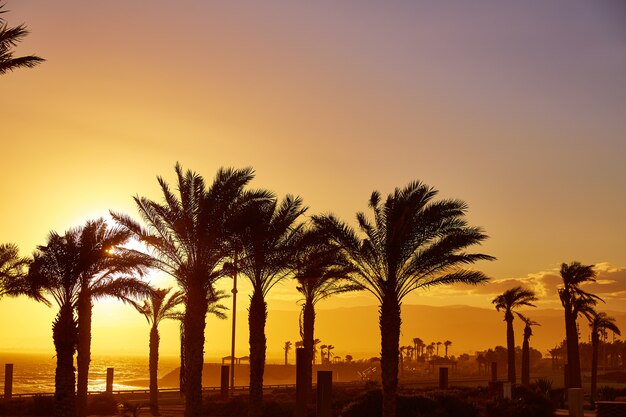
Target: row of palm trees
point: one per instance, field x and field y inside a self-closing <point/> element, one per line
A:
<point x="422" y="351"/>
<point x="576" y="302"/>
<point x="202" y="233"/>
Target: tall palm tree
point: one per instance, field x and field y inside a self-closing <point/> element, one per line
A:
<point x="447" y="344"/>
<point x="12" y="271"/>
<point x="438" y="344"/>
<point x="287" y="348"/>
<point x="161" y="305"/>
<point x="508" y="301"/>
<point x="106" y="269"/>
<point x="430" y="350"/>
<point x="321" y="271"/>
<point x="322" y="354"/>
<point x="267" y="234"/>
<point x="528" y="332"/>
<point x="188" y="239"/>
<point x="599" y="322"/>
<point x="328" y="349"/>
<point x="419" y="347"/>
<point x="575" y="301"/>
<point x="55" y="272"/>
<point x="412" y="243"/>
<point x="9" y="38"/>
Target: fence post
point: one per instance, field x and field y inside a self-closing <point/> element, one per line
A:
<point x="301" y="394"/>
<point x="224" y="381"/>
<point x="324" y="393"/>
<point x="494" y="371"/>
<point x="8" y="381"/>
<point x="109" y="386"/>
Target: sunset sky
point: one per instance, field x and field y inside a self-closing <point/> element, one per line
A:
<point x="518" y="108"/>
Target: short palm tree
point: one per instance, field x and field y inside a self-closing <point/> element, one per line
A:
<point x="287" y="348"/>
<point x="528" y="332"/>
<point x="447" y="344"/>
<point x="413" y="242"/>
<point x="575" y="301"/>
<point x="598" y="323"/>
<point x="9" y="38"/>
<point x="321" y="271"/>
<point x="188" y="238"/>
<point x="53" y="272"/>
<point x="161" y="305"/>
<point x="267" y="237"/>
<point x="508" y="301"/>
<point x="107" y="269"/>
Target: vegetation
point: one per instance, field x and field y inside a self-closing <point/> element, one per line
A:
<point x="528" y="332"/>
<point x="412" y="243"/>
<point x="508" y="301"/>
<point x="9" y="38"/>
<point x="599" y="323"/>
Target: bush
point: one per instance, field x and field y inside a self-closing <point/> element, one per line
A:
<point x="525" y="403"/>
<point x="102" y="404"/>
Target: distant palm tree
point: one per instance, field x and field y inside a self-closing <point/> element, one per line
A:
<point x="12" y="271"/>
<point x="322" y="354"/>
<point x="107" y="269"/>
<point x="189" y="239"/>
<point x="9" y="38"/>
<point x="54" y="271"/>
<point x="412" y="243"/>
<point x="528" y="332"/>
<point x="575" y="301"/>
<point x="447" y="344"/>
<point x="508" y="301"/>
<point x="419" y="347"/>
<point x="315" y="343"/>
<point x="287" y="348"/>
<point x="267" y="233"/>
<point x="160" y="306"/>
<point x="599" y="322"/>
<point x="430" y="350"/>
<point x="328" y="349"/>
<point x="438" y="344"/>
<point x="321" y="271"/>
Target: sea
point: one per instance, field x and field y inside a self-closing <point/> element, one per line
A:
<point x="33" y="373"/>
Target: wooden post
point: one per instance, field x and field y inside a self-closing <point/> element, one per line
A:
<point x="494" y="371"/>
<point x="301" y="395"/>
<point x="443" y="377"/>
<point x="8" y="381"/>
<point x="109" y="386"/>
<point x="324" y="393"/>
<point x="507" y="389"/>
<point x="224" y="381"/>
<point x="575" y="402"/>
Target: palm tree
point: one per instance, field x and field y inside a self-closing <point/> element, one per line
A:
<point x="12" y="271"/>
<point x="106" y="269"/>
<point x="54" y="271"/>
<point x="575" y="301"/>
<point x="412" y="243"/>
<point x="447" y="344"/>
<point x="160" y="306"/>
<point x="267" y="234"/>
<point x="187" y="235"/>
<point x="419" y="347"/>
<point x="328" y="349"/>
<point x="508" y="301"/>
<point x="315" y="343"/>
<point x="438" y="344"/>
<point x="430" y="350"/>
<point x="528" y="332"/>
<point x="599" y="322"/>
<point x="287" y="348"/>
<point x="321" y="271"/>
<point x="322" y="354"/>
<point x="9" y="38"/>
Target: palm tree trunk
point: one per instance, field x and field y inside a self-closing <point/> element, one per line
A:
<point x="154" y="367"/>
<point x="573" y="356"/>
<point x="257" y="315"/>
<point x="390" y="322"/>
<point x="195" y="321"/>
<point x="526" y="361"/>
<point x="84" y="354"/>
<point x="308" y="327"/>
<point x="594" y="366"/>
<point x="510" y="348"/>
<point x="64" y="334"/>
<point x="182" y="373"/>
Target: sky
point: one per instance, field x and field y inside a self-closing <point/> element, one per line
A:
<point x="516" y="108"/>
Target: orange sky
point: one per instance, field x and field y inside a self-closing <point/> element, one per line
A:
<point x="517" y="109"/>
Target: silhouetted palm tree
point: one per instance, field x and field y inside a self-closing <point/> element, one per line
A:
<point x="322" y="354"/>
<point x="287" y="348"/>
<point x="528" y="332"/>
<point x="187" y="235"/>
<point x="419" y="347"/>
<point x="599" y="322"/>
<point x="413" y="242"/>
<point x="438" y="344"/>
<point x="106" y="270"/>
<point x="328" y="349"/>
<point x="160" y="306"/>
<point x="430" y="350"/>
<point x="321" y="271"/>
<point x="447" y="344"/>
<point x="267" y="235"/>
<point x="508" y="301"/>
<point x="12" y="271"/>
<point x="9" y="38"/>
<point x="55" y="272"/>
<point x="575" y="301"/>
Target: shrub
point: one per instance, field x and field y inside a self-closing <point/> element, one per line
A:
<point x="525" y="403"/>
<point x="102" y="404"/>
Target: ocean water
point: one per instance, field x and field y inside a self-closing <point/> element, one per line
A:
<point x="34" y="373"/>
